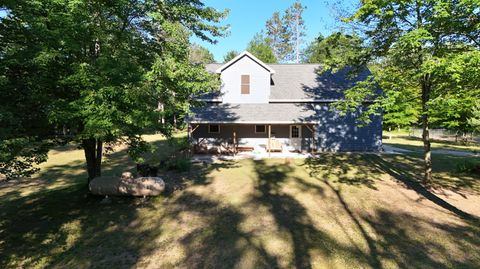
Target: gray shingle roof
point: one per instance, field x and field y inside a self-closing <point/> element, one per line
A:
<point x="293" y="85"/>
<point x="303" y="82"/>
<point x="253" y="113"/>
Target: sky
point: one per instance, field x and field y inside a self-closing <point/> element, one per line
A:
<point x="248" y="17"/>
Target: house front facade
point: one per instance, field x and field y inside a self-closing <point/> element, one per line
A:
<point x="279" y="107"/>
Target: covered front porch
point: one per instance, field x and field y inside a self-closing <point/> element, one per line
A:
<point x="252" y="138"/>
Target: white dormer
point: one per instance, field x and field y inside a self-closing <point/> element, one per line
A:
<point x="245" y="79"/>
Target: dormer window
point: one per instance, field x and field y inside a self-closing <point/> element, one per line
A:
<point x="245" y="84"/>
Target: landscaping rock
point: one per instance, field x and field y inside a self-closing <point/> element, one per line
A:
<point x="142" y="186"/>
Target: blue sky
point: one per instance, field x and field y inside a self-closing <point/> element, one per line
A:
<point x="248" y="17"/>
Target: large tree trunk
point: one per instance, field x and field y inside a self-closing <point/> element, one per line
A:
<point x="93" y="149"/>
<point x="426" y="88"/>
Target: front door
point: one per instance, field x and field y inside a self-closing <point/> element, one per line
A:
<point x="296" y="137"/>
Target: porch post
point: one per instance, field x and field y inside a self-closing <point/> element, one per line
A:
<point x="189" y="139"/>
<point x="314" y="144"/>
<point x="234" y="141"/>
<point x="269" y="139"/>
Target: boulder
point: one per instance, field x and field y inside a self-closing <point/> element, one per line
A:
<point x="127" y="186"/>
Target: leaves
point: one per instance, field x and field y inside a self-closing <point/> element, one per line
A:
<point x="259" y="46"/>
<point x="79" y="69"/>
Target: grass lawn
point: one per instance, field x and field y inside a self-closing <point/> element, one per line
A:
<point x="335" y="211"/>
<point x="411" y="143"/>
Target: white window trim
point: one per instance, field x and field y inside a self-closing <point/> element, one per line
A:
<point x="214" y="132"/>
<point x="264" y="126"/>
<point x="242" y="84"/>
<point x="299" y="131"/>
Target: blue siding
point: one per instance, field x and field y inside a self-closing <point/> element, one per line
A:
<point x="342" y="133"/>
<point x="333" y="133"/>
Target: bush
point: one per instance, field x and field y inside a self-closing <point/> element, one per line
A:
<point x="468" y="166"/>
<point x="179" y="163"/>
<point x="183" y="164"/>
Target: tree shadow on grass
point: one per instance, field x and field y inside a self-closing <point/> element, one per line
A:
<point x="66" y="225"/>
<point x="414" y="242"/>
<point x="396" y="237"/>
<point x="292" y="217"/>
<point x="218" y="242"/>
<point x="59" y="224"/>
<point x="404" y="174"/>
<point x="349" y="169"/>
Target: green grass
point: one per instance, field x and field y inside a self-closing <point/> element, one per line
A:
<point x="335" y="211"/>
<point x="416" y="144"/>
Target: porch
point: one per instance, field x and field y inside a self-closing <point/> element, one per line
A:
<point x="252" y="139"/>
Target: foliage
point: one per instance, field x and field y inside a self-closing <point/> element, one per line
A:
<point x="285" y="33"/>
<point x="400" y="105"/>
<point x="18" y="156"/>
<point x="335" y="51"/>
<point x="198" y="54"/>
<point x="230" y="55"/>
<point x="277" y="34"/>
<point x="296" y="28"/>
<point x="259" y="46"/>
<point x="176" y="81"/>
<point x="468" y="166"/>
<point x="474" y="120"/>
<point x="85" y="67"/>
<point x="179" y="163"/>
<point x="424" y="42"/>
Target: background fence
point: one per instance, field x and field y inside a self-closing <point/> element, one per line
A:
<point x="443" y="134"/>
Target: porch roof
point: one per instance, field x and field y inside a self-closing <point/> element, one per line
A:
<point x="278" y="113"/>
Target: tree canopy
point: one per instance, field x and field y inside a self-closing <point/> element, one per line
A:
<point x="230" y="55"/>
<point x="198" y="54"/>
<point x="285" y="32"/>
<point x="81" y="71"/>
<point x="428" y="44"/>
<point x="259" y="46"/>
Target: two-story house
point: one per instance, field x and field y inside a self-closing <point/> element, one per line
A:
<point x="279" y="107"/>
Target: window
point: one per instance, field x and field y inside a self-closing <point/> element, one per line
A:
<point x="260" y="129"/>
<point x="294" y="131"/>
<point x="213" y="128"/>
<point x="245" y="84"/>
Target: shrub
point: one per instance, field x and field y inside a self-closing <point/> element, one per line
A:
<point x="179" y="163"/>
<point x="183" y="164"/>
<point x="468" y="166"/>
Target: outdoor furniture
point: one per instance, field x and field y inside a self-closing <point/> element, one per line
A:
<point x="244" y="149"/>
<point x="274" y="146"/>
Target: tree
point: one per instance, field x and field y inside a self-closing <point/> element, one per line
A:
<point x="401" y="106"/>
<point x="199" y="54"/>
<point x="474" y="120"/>
<point x="336" y="50"/>
<point x="285" y="33"/>
<point x="278" y="36"/>
<point x="295" y="27"/>
<point x="78" y="71"/>
<point x="421" y="41"/>
<point x="259" y="46"/>
<point x="230" y="55"/>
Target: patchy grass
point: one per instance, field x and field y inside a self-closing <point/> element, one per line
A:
<point x="334" y="211"/>
<point x="416" y="144"/>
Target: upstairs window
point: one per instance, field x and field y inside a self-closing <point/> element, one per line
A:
<point x="245" y="84"/>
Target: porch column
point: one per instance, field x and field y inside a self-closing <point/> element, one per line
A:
<point x="269" y="139"/>
<point x="234" y="141"/>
